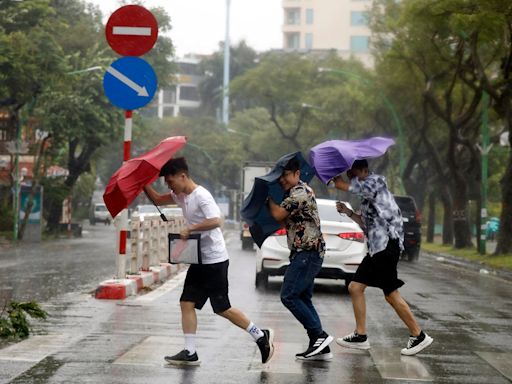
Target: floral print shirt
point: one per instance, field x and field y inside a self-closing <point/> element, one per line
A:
<point x="380" y="213"/>
<point x="303" y="223"/>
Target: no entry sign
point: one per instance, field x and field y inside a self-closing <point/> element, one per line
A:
<point x="131" y="30"/>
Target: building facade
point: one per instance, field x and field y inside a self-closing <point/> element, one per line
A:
<point x="181" y="99"/>
<point x="321" y="25"/>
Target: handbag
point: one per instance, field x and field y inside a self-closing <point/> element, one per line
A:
<point x="185" y="251"/>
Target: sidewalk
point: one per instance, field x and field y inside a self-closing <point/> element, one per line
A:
<point x="467" y="264"/>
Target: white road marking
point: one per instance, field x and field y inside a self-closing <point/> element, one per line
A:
<point x="168" y="286"/>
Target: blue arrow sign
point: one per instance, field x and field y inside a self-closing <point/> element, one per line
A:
<point x="130" y="83"/>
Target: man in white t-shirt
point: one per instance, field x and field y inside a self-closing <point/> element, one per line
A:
<point x="208" y="280"/>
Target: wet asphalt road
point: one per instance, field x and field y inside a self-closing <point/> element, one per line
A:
<point x="41" y="271"/>
<point x="89" y="341"/>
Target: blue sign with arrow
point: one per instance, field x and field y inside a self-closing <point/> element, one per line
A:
<point x="130" y="83"/>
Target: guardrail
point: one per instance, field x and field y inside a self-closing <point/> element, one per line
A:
<point x="149" y="242"/>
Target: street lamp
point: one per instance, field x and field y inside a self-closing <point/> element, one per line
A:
<point x="389" y="105"/>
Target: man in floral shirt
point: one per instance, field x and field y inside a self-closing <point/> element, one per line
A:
<point x="299" y="214"/>
<point x="381" y="220"/>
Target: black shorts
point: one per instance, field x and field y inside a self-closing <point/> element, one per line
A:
<point x="380" y="270"/>
<point x="207" y="281"/>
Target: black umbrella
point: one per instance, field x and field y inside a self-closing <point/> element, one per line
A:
<point x="255" y="211"/>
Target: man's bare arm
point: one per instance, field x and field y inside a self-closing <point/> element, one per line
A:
<point x="158" y="198"/>
<point x="205" y="225"/>
<point x="277" y="212"/>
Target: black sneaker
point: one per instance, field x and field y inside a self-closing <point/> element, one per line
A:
<point x="266" y="345"/>
<point x="183" y="358"/>
<point x="316" y="345"/>
<point x="354" y="340"/>
<point x="417" y="344"/>
<point x="324" y="354"/>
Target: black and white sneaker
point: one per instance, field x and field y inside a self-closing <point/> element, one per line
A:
<point x="417" y="344"/>
<point x="323" y="355"/>
<point x="354" y="340"/>
<point x="266" y="345"/>
<point x="183" y="358"/>
<point x="316" y="345"/>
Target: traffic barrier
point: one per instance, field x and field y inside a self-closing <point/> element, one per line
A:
<point x="148" y="263"/>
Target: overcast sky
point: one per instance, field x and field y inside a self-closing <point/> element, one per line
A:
<point x="199" y="25"/>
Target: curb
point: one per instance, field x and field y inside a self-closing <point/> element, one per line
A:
<point x="119" y="289"/>
<point x="116" y="289"/>
<point x="474" y="266"/>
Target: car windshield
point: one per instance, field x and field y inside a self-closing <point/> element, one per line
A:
<point x="406" y="204"/>
<point x="329" y="213"/>
<point x="101" y="208"/>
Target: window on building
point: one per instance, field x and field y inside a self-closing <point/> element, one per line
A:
<point x="308" y="41"/>
<point x="292" y="40"/>
<point x="169" y="96"/>
<point x="358" y="18"/>
<point x="189" y="93"/>
<point x="168" y="111"/>
<point x="310" y="15"/>
<point x="359" y="43"/>
<point x="292" y="16"/>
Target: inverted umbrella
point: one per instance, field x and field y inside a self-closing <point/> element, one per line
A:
<point x="128" y="181"/>
<point x="254" y="210"/>
<point x="333" y="157"/>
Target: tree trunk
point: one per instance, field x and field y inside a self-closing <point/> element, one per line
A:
<point x="447" y="220"/>
<point x="505" y="233"/>
<point x="431" y="221"/>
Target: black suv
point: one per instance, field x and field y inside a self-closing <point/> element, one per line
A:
<point x="412" y="226"/>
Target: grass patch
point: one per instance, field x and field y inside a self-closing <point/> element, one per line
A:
<point x="500" y="262"/>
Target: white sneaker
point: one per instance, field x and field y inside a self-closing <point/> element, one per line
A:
<point x="354" y="341"/>
<point x="417" y="344"/>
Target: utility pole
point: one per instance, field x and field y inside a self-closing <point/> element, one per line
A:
<point x="225" y="88"/>
<point x="16" y="197"/>
<point x="484" y="151"/>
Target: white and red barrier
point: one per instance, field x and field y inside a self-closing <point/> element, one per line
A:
<point x="147" y="263"/>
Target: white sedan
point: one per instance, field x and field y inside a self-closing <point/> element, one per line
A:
<point x="345" y="247"/>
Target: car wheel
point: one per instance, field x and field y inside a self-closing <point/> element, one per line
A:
<point x="93" y="222"/>
<point x="413" y="254"/>
<point x="261" y="279"/>
<point x="247" y="243"/>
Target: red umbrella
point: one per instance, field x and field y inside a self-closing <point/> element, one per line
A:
<point x="128" y="181"/>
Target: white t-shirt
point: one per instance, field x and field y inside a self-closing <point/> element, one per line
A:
<point x="198" y="206"/>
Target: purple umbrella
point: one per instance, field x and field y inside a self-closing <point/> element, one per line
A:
<point x="333" y="157"/>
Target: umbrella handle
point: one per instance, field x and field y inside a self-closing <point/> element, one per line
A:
<point x="162" y="216"/>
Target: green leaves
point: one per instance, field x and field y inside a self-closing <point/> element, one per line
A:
<point x="13" y="319"/>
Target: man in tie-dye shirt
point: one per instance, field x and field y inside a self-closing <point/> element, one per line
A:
<point x="381" y="221"/>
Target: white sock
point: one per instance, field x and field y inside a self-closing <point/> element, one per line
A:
<point x="254" y="331"/>
<point x="190" y="342"/>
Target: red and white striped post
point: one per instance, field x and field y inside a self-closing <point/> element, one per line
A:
<point x="122" y="223"/>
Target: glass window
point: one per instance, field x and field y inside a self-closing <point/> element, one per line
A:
<point x="309" y="16"/>
<point x="359" y="43"/>
<point x="292" y="16"/>
<point x="308" y="41"/>
<point x="358" y="18"/>
<point x="292" y="40"/>
<point x="170" y="96"/>
<point x="189" y="93"/>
